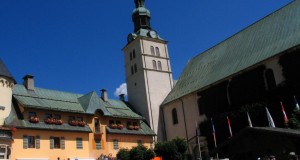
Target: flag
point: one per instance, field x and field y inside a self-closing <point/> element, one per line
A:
<point x="229" y="126"/>
<point x="296" y="103"/>
<point x="214" y="132"/>
<point x="270" y="119"/>
<point x="286" y="120"/>
<point x="249" y="120"/>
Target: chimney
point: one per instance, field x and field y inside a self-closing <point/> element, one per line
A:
<point x="29" y="82"/>
<point x="122" y="97"/>
<point x="104" y="95"/>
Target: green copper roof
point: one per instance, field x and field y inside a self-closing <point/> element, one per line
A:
<point x="48" y="99"/>
<point x="264" y="39"/>
<point x="145" y="130"/>
<point x="69" y="102"/>
<point x="121" y="109"/>
<point x="141" y="11"/>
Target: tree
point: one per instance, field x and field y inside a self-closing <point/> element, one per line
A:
<point x="294" y="122"/>
<point x="123" y="154"/>
<point x="136" y="153"/>
<point x="174" y="149"/>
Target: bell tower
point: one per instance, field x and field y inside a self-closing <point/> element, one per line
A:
<point x="147" y="66"/>
<point x="7" y="83"/>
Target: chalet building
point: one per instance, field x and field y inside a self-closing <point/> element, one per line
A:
<point x="257" y="67"/>
<point x="49" y="124"/>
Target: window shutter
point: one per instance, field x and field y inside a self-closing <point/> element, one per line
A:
<point x="79" y="143"/>
<point x="51" y="142"/>
<point x="98" y="144"/>
<point x="62" y="142"/>
<point x="37" y="142"/>
<point x="25" y="141"/>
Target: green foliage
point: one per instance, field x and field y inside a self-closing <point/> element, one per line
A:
<point x="174" y="149"/>
<point x="294" y="122"/>
<point x="136" y="153"/>
<point x="123" y="154"/>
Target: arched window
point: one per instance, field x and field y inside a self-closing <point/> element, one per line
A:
<point x="270" y="79"/>
<point x="174" y="116"/>
<point x="130" y="55"/>
<point x="133" y="54"/>
<point x="152" y="50"/>
<point x="154" y="65"/>
<point x="157" y="51"/>
<point x="135" y="68"/>
<point x="132" y="71"/>
<point x="159" y="65"/>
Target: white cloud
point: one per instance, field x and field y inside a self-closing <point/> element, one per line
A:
<point x="121" y="90"/>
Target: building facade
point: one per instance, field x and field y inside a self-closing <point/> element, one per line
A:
<point x="253" y="69"/>
<point x="147" y="67"/>
<point x="51" y="124"/>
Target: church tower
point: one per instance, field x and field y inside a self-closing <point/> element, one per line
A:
<point x="148" y="71"/>
<point x="7" y="83"/>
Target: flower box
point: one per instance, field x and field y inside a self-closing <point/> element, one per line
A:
<point x="50" y="121"/>
<point x="81" y="123"/>
<point x="130" y="127"/>
<point x="113" y="126"/>
<point x="136" y="127"/>
<point x="73" y="122"/>
<point x="34" y="119"/>
<point x="59" y="122"/>
<point x="120" y="126"/>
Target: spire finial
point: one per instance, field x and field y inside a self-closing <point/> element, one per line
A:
<point x="139" y="3"/>
<point x="141" y="16"/>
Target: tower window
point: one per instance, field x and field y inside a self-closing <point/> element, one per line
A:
<point x="159" y="65"/>
<point x="132" y="71"/>
<point x="135" y="68"/>
<point x="174" y="116"/>
<point x="154" y="65"/>
<point x="152" y="50"/>
<point x="157" y="51"/>
<point x="130" y="56"/>
<point x="133" y="54"/>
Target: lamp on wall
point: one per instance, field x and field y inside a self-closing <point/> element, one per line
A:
<point x="2" y="108"/>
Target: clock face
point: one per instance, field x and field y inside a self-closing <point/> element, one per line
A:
<point x="153" y="34"/>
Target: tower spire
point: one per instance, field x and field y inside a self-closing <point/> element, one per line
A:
<point x="141" y="16"/>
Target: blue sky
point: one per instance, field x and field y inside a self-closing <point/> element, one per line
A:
<point x="75" y="45"/>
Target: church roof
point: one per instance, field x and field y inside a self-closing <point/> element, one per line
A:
<point x="4" y="71"/>
<point x="262" y="40"/>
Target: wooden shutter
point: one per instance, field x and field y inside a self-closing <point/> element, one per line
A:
<point x="25" y="141"/>
<point x="37" y="142"/>
<point x="79" y="143"/>
<point x="98" y="144"/>
<point x="62" y="142"/>
<point x="51" y="142"/>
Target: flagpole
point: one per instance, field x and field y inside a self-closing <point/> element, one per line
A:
<point x="270" y="119"/>
<point x="198" y="140"/>
<point x="214" y="134"/>
<point x="249" y="120"/>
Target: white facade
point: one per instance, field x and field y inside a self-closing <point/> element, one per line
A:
<point x="149" y="78"/>
<point x="6" y="87"/>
